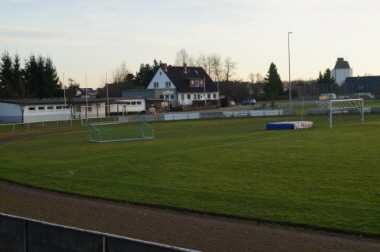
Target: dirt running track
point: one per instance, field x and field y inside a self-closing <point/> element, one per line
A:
<point x="187" y="231"/>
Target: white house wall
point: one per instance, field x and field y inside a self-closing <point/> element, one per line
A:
<point x="161" y="81"/>
<point x="164" y="88"/>
<point x="43" y="113"/>
<point x="10" y="112"/>
<point x="187" y="99"/>
<point x="128" y="106"/>
<point x="340" y="75"/>
<point x="94" y="110"/>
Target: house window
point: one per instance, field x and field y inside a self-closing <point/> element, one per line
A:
<point x="208" y="96"/>
<point x="134" y="103"/>
<point x="138" y="103"/>
<point x="161" y="96"/>
<point x="77" y="108"/>
<point x="156" y="84"/>
<point x="214" y="96"/>
<point x="32" y="108"/>
<point x="160" y="73"/>
<point x="182" y="97"/>
<point x="197" y="83"/>
<point x="41" y="108"/>
<point x="168" y="84"/>
<point x="50" y="108"/>
<point x="188" y="97"/>
<point x="89" y="108"/>
<point x="195" y="97"/>
<point x="58" y="107"/>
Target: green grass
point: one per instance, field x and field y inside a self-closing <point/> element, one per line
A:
<point x="320" y="176"/>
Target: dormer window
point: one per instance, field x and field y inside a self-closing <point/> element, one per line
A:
<point x="197" y="83"/>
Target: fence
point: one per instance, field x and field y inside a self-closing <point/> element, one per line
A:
<point x="21" y="234"/>
<point x="9" y="127"/>
<point x="208" y="115"/>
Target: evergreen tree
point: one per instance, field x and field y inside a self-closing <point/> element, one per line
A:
<point x="6" y="66"/>
<point x="273" y="84"/>
<point x="42" y="77"/>
<point x="52" y="81"/>
<point x="146" y="73"/>
<point x="18" y="88"/>
<point x="326" y="82"/>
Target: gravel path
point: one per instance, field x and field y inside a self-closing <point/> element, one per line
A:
<point x="187" y="231"/>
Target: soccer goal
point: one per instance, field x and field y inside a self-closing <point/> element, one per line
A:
<point x="342" y="106"/>
<point x="119" y="131"/>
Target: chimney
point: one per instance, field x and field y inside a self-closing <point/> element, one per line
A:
<point x="185" y="68"/>
<point x="164" y="66"/>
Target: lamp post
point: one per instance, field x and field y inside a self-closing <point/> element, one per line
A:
<point x="290" y="84"/>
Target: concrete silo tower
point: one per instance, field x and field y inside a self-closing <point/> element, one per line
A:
<point x="341" y="71"/>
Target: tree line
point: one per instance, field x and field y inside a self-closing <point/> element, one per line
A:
<point x="38" y="78"/>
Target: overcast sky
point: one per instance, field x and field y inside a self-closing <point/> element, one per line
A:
<point x="88" y="39"/>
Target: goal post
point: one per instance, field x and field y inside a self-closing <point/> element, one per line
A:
<point x="342" y="106"/>
<point x="119" y="131"/>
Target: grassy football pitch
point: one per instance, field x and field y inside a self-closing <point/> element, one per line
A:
<point x="320" y="176"/>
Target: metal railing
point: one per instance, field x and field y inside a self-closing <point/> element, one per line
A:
<point x="23" y="234"/>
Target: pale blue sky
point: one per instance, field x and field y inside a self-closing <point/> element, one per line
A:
<point x="92" y="38"/>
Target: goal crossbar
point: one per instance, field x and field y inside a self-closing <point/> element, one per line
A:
<point x="339" y="106"/>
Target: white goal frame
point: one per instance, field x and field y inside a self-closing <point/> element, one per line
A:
<point x="140" y="131"/>
<point x="342" y="106"/>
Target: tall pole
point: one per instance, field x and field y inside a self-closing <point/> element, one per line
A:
<point x="290" y="84"/>
<point x="64" y="95"/>
<point x="204" y="89"/>
<point x="108" y="100"/>
<point x="85" y="80"/>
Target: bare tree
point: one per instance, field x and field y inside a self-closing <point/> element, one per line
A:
<point x="183" y="57"/>
<point x="121" y="73"/>
<point x="229" y="67"/>
<point x="255" y="78"/>
<point x="204" y="62"/>
<point x="215" y="63"/>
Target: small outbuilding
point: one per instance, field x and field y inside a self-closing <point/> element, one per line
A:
<point x="55" y="109"/>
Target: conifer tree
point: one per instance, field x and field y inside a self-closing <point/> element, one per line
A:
<point x="273" y="84"/>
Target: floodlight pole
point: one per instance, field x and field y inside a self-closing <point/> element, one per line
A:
<point x="290" y="84"/>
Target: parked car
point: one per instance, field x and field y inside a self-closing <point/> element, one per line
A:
<point x="248" y="102"/>
<point x="343" y="97"/>
<point x="367" y="97"/>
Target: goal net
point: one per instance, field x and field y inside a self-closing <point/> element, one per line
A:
<point x="119" y="131"/>
<point x="342" y="106"/>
